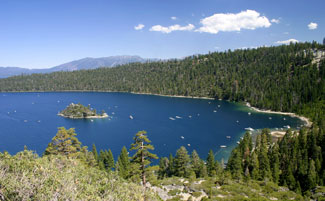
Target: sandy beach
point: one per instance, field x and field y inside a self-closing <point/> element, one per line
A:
<point x="307" y="121"/>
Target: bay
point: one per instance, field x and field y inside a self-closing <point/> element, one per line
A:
<point x="31" y="119"/>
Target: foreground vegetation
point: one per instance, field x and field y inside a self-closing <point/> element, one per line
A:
<point x="67" y="171"/>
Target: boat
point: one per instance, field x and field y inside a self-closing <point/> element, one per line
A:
<point x="287" y="126"/>
<point x="249" y="113"/>
<point x="178" y="117"/>
<point x="238" y="142"/>
<point x="228" y="137"/>
<point x="190" y="116"/>
<point x="171" y="118"/>
<point x="214" y="110"/>
<point x="39" y="121"/>
<point x="182" y="137"/>
<point x="131" y="117"/>
<point x="25" y="120"/>
<point x="189" y="145"/>
<point x="237" y="121"/>
<point x="223" y="146"/>
<point x="284" y="118"/>
<point x="270" y="118"/>
<point x="249" y="129"/>
<point x="91" y="120"/>
<point x="218" y="105"/>
<point x="113" y="112"/>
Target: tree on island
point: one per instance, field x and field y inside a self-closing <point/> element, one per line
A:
<point x="142" y="156"/>
<point x="64" y="142"/>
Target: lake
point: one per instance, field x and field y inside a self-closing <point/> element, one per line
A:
<point x="31" y="119"/>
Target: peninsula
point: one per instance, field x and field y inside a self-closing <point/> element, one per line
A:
<point x="79" y="111"/>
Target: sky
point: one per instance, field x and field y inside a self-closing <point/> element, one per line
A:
<point x="46" y="33"/>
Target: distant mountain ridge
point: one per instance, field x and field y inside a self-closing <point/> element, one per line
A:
<point x="85" y="63"/>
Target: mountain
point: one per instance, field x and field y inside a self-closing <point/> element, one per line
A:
<point x="85" y="63"/>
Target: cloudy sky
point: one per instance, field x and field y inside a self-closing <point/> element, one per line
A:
<point x="45" y="33"/>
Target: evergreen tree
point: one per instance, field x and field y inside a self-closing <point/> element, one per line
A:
<point x="163" y="167"/>
<point x="275" y="163"/>
<point x="123" y="163"/>
<point x="196" y="164"/>
<point x="110" y="160"/>
<point x="95" y="153"/>
<point x="312" y="175"/>
<point x="171" y="166"/>
<point x="182" y="163"/>
<point x="211" y="164"/>
<point x="235" y="164"/>
<point x="142" y="156"/>
<point x="64" y="142"/>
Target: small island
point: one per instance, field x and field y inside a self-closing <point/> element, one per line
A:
<point x="79" y="111"/>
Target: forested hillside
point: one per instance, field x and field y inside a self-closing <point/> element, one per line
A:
<point x="282" y="78"/>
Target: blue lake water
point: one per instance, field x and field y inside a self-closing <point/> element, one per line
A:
<point x="31" y="119"/>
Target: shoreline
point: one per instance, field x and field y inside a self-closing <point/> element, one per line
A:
<point x="88" y="117"/>
<point x="307" y="121"/>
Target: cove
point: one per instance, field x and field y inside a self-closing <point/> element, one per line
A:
<point x="31" y="119"/>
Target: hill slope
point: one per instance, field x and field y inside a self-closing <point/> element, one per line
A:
<point x="85" y="63"/>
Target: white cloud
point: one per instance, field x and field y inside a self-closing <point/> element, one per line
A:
<point x="276" y="21"/>
<point x="312" y="26"/>
<point x="172" y="28"/>
<point x="173" y="18"/>
<point x="139" y="27"/>
<point x="287" y="41"/>
<point x="248" y="19"/>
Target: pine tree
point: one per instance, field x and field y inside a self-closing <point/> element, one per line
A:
<point x="163" y="167"/>
<point x="312" y="175"/>
<point x="64" y="142"/>
<point x="211" y="164"/>
<point x="142" y="156"/>
<point x="171" y="168"/>
<point x="235" y="164"/>
<point x="123" y="163"/>
<point x="196" y="164"/>
<point x="110" y="160"/>
<point x="95" y="153"/>
<point x="182" y="163"/>
<point x="275" y="163"/>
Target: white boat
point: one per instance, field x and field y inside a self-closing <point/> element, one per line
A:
<point x="182" y="137"/>
<point x="39" y="121"/>
<point x="91" y="120"/>
<point x="190" y="116"/>
<point x="189" y="145"/>
<point x="214" y="110"/>
<point x="284" y="118"/>
<point x="228" y="137"/>
<point x="113" y="112"/>
<point x="237" y="121"/>
<point x="171" y="118"/>
<point x="131" y="117"/>
<point x="178" y="117"/>
<point x="287" y="126"/>
<point x="238" y="142"/>
<point x="223" y="146"/>
<point x="270" y="118"/>
<point x="25" y="120"/>
<point x="249" y="129"/>
<point x="249" y="113"/>
<point x="218" y="105"/>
